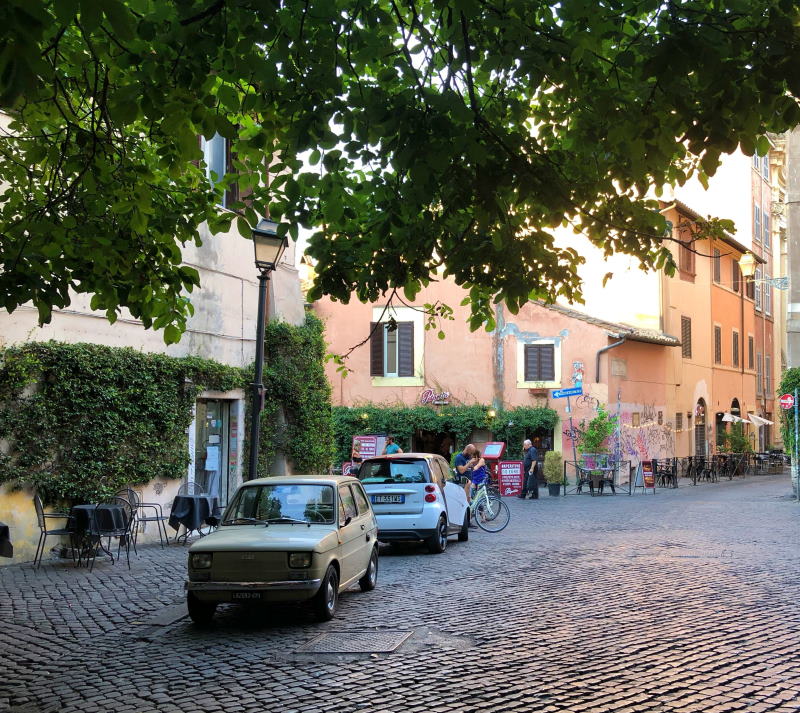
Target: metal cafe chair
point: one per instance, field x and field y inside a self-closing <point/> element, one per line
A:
<point x="104" y="528"/>
<point x="44" y="532"/>
<point x="142" y="509"/>
<point x="190" y="488"/>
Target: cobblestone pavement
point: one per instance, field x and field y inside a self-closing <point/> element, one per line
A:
<point x="684" y="601"/>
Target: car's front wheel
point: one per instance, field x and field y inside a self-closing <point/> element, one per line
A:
<point x="327" y="598"/>
<point x="437" y="543"/>
<point x="201" y="613"/>
<point x="370" y="578"/>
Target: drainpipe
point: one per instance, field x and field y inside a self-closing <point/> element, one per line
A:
<point x="600" y="351"/>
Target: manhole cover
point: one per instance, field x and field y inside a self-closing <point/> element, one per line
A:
<point x="356" y="642"/>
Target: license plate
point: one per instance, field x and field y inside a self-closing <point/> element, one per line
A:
<point x="246" y="595"/>
<point x="388" y="499"/>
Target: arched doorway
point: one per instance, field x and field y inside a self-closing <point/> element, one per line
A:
<point x="735" y="408"/>
<point x="700" y="446"/>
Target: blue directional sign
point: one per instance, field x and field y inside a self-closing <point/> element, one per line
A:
<point x="563" y="393"/>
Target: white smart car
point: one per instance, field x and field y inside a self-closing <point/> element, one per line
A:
<point x="414" y="497"/>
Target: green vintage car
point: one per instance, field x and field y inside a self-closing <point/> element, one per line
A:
<point x="292" y="538"/>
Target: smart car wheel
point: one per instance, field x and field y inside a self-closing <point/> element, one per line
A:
<point x="327" y="598"/>
<point x="463" y="536"/>
<point x="201" y="613"/>
<point x="437" y="543"/>
<point x="370" y="578"/>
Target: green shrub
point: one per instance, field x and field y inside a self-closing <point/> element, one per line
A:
<point x="553" y="467"/>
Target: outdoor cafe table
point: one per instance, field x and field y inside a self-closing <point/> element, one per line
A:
<point x="91" y="521"/>
<point x="192" y="511"/>
<point x="6" y="548"/>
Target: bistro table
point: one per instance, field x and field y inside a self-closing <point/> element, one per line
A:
<point x="6" y="548"/>
<point x="92" y="522"/>
<point x="193" y="511"/>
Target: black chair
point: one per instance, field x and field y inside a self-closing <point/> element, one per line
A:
<point x="157" y="517"/>
<point x="190" y="488"/>
<point x="44" y="532"/>
<point x="104" y="527"/>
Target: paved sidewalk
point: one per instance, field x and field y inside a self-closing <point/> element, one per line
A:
<point x="685" y="601"/>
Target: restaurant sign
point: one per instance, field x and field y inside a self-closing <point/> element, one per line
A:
<point x="429" y="396"/>
<point x="509" y="477"/>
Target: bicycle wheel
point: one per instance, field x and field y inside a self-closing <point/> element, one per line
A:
<point x="492" y="515"/>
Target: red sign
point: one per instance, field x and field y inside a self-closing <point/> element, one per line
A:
<point x="510" y="476"/>
<point x="346" y="467"/>
<point x="429" y="396"/>
<point x="369" y="445"/>
<point x="648" y="474"/>
<point x="786" y="401"/>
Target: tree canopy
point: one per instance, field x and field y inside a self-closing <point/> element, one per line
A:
<point x="410" y="136"/>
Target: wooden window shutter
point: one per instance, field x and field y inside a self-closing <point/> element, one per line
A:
<point x="376" y="330"/>
<point x="232" y="192"/>
<point x="718" y="345"/>
<point x="405" y="349"/>
<point x="540" y="362"/>
<point x="686" y="337"/>
<point x="531" y="363"/>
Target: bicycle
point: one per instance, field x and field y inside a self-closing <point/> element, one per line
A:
<point x="490" y="512"/>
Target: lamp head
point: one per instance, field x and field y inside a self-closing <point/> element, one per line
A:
<point x="267" y="244"/>
<point x="747" y="264"/>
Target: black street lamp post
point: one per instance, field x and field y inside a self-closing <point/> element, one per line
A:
<point x="268" y="248"/>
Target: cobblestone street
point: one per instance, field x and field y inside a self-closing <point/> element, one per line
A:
<point x="684" y="601"/>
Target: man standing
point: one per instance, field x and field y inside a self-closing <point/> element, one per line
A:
<point x="391" y="447"/>
<point x="530" y="482"/>
<point x="464" y="464"/>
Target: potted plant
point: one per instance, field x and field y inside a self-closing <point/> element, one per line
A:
<point x="553" y="472"/>
<point x="594" y="436"/>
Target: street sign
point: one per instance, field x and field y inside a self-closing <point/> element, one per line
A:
<point x="786" y="401"/>
<point x="564" y="393"/>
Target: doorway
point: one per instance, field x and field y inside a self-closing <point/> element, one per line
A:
<point x="439" y="442"/>
<point x="216" y="447"/>
<point x="700" y="445"/>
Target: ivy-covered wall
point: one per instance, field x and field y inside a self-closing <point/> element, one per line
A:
<point x="509" y="425"/>
<point x="79" y="421"/>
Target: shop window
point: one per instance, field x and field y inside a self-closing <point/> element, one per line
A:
<point x="686" y="337"/>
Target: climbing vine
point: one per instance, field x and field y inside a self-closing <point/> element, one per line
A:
<point x="511" y="426"/>
<point x="80" y="421"/>
<point x="297" y="411"/>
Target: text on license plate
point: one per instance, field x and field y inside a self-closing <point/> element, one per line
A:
<point x="246" y="595"/>
<point x="388" y="499"/>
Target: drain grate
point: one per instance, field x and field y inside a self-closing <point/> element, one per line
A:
<point x="356" y="642"/>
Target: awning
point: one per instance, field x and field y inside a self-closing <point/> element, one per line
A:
<point x="730" y="418"/>
<point x="758" y="421"/>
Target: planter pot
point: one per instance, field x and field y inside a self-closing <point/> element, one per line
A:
<point x="554" y="488"/>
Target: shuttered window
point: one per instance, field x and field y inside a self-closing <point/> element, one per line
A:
<point x="750" y="352"/>
<point x="679" y="421"/>
<point x="756" y="223"/>
<point x="767" y="236"/>
<point x="686" y="337"/>
<point x="391" y="351"/>
<point x="768" y="376"/>
<point x="540" y="362"/>
<point x="735" y="348"/>
<point x="717" y="266"/>
<point x="736" y="276"/>
<point x="717" y="345"/>
<point x="759" y="375"/>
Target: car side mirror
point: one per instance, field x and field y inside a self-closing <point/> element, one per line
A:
<point x="347" y="521"/>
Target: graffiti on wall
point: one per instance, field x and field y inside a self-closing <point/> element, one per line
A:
<point x="577" y="373"/>
<point x="647" y="440"/>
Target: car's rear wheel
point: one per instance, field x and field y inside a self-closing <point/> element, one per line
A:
<point x="201" y="613"/>
<point x="370" y="578"/>
<point x="463" y="536"/>
<point x="437" y="543"/>
<point x="327" y="598"/>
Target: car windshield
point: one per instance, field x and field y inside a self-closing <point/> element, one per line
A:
<point x="255" y="504"/>
<point x="395" y="470"/>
